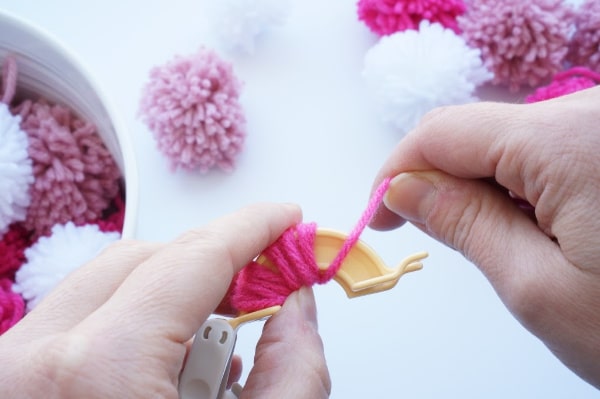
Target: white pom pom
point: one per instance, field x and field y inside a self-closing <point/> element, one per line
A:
<point x="238" y="23"/>
<point x="411" y="72"/>
<point x="16" y="172"/>
<point x="51" y="258"/>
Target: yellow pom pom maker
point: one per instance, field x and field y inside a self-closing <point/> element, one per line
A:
<point x="363" y="272"/>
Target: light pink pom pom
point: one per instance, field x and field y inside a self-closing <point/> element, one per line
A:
<point x="385" y="17"/>
<point x="75" y="175"/>
<point x="584" y="48"/>
<point x="191" y="106"/>
<point x="566" y="82"/>
<point x="521" y="42"/>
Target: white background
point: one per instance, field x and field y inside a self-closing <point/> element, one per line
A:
<point x="313" y="139"/>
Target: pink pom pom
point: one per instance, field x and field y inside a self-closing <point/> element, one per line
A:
<point x="191" y="106"/>
<point x="12" y="306"/>
<point x="385" y="17"/>
<point x="75" y="175"/>
<point x="12" y="250"/>
<point x="114" y="217"/>
<point x="584" y="48"/>
<point x="566" y="82"/>
<point x="521" y="42"/>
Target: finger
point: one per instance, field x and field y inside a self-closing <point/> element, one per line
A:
<point x="483" y="140"/>
<point x="85" y="289"/>
<point x="235" y="372"/>
<point x="289" y="360"/>
<point x="482" y="223"/>
<point x="176" y="289"/>
<point x="547" y="293"/>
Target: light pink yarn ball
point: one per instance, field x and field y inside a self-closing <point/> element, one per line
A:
<point x="521" y="42"/>
<point x="584" y="48"/>
<point x="385" y="17"/>
<point x="76" y="177"/>
<point x="191" y="105"/>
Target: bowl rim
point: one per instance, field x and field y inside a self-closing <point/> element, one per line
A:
<point x="130" y="172"/>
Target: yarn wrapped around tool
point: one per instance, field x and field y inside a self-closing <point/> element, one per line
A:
<point x="289" y="264"/>
<point x="258" y="286"/>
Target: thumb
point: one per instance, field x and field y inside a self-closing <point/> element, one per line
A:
<point x="289" y="360"/>
<point x="482" y="222"/>
<point x="552" y="298"/>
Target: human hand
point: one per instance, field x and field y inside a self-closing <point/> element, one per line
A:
<point x="456" y="175"/>
<point x="120" y="326"/>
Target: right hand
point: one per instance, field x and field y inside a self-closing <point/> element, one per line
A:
<point x="454" y="173"/>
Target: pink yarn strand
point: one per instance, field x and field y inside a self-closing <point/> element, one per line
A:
<point x="354" y="235"/>
<point x="9" y="79"/>
<point x="578" y="71"/>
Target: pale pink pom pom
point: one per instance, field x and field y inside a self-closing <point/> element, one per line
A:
<point x="76" y="177"/>
<point x="584" y="48"/>
<point x="191" y="106"/>
<point x="566" y="82"/>
<point x="385" y="17"/>
<point x="521" y="42"/>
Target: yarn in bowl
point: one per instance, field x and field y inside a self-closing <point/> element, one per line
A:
<point x="84" y="184"/>
<point x="47" y="70"/>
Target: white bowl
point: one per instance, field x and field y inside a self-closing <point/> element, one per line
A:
<point x="48" y="69"/>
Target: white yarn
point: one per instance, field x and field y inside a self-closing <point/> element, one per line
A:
<point x="51" y="258"/>
<point x="238" y="23"/>
<point x="16" y="172"/>
<point x="411" y="72"/>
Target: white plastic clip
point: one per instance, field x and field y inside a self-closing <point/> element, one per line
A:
<point x="208" y="364"/>
<point x="207" y="367"/>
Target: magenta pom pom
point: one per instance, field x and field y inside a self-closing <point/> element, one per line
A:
<point x="12" y="250"/>
<point x="566" y="82"/>
<point x="584" y="48"/>
<point x="12" y="306"/>
<point x="114" y="217"/>
<point x="75" y="175"/>
<point x="521" y="42"/>
<point x="385" y="17"/>
<point x="191" y="105"/>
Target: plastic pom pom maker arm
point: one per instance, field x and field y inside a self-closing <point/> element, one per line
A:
<point x="361" y="272"/>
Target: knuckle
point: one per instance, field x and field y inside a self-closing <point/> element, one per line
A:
<point x="433" y="117"/>
<point x="123" y="247"/>
<point x="454" y="224"/>
<point x="208" y="243"/>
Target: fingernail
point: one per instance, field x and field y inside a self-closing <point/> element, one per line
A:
<point x="410" y="196"/>
<point x="308" y="306"/>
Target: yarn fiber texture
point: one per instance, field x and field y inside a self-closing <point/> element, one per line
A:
<point x="12" y="306"/>
<point x="258" y="287"/>
<point x="16" y="171"/>
<point x="385" y="17"/>
<point x="566" y="82"/>
<point x="407" y="81"/>
<point x="113" y="217"/>
<point x="12" y="250"/>
<point x="52" y="258"/>
<point x="524" y="43"/>
<point x="584" y="47"/>
<point x="76" y="177"/>
<point x="191" y="105"/>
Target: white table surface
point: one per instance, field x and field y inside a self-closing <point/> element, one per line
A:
<point x="314" y="139"/>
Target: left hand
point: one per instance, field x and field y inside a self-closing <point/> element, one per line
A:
<point x="120" y="326"/>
